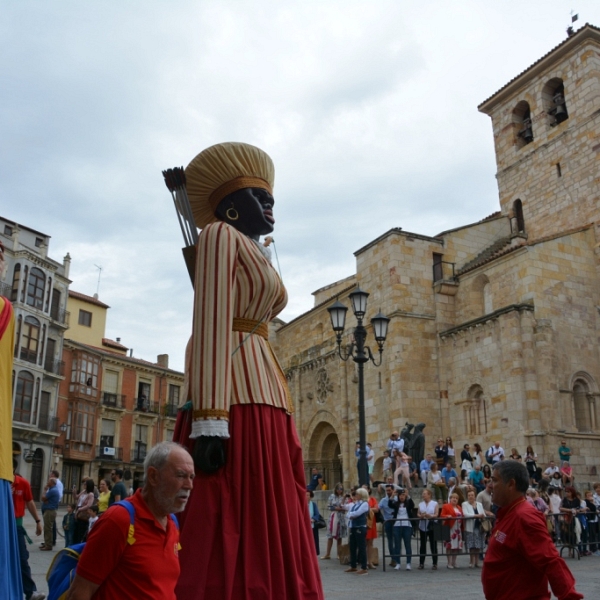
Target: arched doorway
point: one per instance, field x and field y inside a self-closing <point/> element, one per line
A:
<point x="37" y="467"/>
<point x="324" y="454"/>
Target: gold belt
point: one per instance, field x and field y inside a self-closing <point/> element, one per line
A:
<point x="251" y="326"/>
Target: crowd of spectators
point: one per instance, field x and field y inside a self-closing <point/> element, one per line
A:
<point x="457" y="507"/>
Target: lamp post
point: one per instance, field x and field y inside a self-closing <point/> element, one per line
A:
<point x="360" y="354"/>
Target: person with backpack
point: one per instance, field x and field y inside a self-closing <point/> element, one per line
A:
<point x="495" y="454"/>
<point x="118" y="562"/>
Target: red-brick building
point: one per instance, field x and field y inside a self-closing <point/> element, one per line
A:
<point x="113" y="407"/>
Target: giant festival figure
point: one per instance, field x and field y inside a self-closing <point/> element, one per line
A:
<point x="245" y="533"/>
<point x="10" y="582"/>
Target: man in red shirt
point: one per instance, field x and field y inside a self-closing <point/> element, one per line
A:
<point x="109" y="566"/>
<point x="521" y="559"/>
<point x="22" y="497"/>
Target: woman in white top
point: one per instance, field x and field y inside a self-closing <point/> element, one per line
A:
<point x="428" y="512"/>
<point x="436" y="483"/>
<point x="477" y="455"/>
<point x="473" y="512"/>
<point x="450" y="452"/>
<point x="402" y="474"/>
<point x="403" y="509"/>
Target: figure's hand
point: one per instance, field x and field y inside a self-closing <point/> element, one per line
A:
<point x="38" y="529"/>
<point x="209" y="453"/>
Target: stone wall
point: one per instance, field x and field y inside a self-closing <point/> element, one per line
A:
<point x="507" y="349"/>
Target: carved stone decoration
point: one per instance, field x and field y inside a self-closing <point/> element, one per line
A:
<point x="323" y="385"/>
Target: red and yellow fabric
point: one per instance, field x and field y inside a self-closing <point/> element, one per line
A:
<point x="7" y="340"/>
<point x="232" y="361"/>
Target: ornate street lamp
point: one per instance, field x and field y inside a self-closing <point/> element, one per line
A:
<point x="360" y="354"/>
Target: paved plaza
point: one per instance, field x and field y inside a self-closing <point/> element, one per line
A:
<point x="463" y="583"/>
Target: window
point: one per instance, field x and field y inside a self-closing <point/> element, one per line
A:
<point x="14" y="295"/>
<point x="174" y="391"/>
<point x="522" y="124"/>
<point x="24" y="397"/>
<point x="8" y="230"/>
<point x="140" y="443"/>
<point x="488" y="305"/>
<point x="554" y="102"/>
<point x="30" y="340"/>
<point x="84" y="373"/>
<point x="172" y="405"/>
<point x="475" y="412"/>
<point x="481" y="300"/>
<point x="38" y="242"/>
<point x="35" y="288"/>
<point x="518" y="215"/>
<point x="85" y="318"/>
<point x="438" y="273"/>
<point x="46" y="422"/>
<point x="81" y="422"/>
<point x="582" y="405"/>
<point x="169" y="435"/>
<point x="107" y="434"/>
<point x="143" y="398"/>
<point x="55" y="306"/>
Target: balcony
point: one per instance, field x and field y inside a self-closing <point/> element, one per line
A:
<point x="138" y="454"/>
<point x="60" y="317"/>
<point x="113" y="400"/>
<point x="47" y="423"/>
<point x="56" y="367"/>
<point x="108" y="453"/>
<point x="145" y="406"/>
<point x="170" y="410"/>
<point x="5" y="289"/>
<point x="443" y="271"/>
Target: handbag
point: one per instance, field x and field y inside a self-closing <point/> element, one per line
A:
<point x="373" y="555"/>
<point x="486" y="525"/>
<point x="344" y="554"/>
<point x="83" y="514"/>
<point x="320" y="523"/>
<point x="370" y="518"/>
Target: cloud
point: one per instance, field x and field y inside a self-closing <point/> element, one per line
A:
<point x="367" y="108"/>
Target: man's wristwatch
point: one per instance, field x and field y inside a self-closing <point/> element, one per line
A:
<point x="38" y="520"/>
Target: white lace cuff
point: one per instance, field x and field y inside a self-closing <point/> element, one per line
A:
<point x="214" y="427"/>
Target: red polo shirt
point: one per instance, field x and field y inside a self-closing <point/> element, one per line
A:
<point x="149" y="568"/>
<point x="521" y="559"/>
<point x="21" y="495"/>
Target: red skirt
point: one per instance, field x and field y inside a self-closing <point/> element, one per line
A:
<point x="245" y="533"/>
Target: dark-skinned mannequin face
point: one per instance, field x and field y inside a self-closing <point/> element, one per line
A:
<point x="254" y="209"/>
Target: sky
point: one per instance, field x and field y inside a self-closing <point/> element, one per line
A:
<point x="367" y="108"/>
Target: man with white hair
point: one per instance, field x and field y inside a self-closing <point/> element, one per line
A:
<point x="115" y="564"/>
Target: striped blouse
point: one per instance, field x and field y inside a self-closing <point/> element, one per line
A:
<point x="234" y="284"/>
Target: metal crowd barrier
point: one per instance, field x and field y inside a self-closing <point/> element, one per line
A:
<point x="441" y="533"/>
<point x="566" y="530"/>
<point x="571" y="534"/>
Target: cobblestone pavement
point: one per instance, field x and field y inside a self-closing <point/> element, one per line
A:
<point x="462" y="583"/>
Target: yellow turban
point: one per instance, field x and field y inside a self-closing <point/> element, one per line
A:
<point x="221" y="170"/>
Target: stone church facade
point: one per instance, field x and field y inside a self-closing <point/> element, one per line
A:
<point x="494" y="325"/>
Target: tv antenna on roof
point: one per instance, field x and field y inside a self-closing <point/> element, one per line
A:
<point x="99" y="275"/>
<point x="574" y="17"/>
